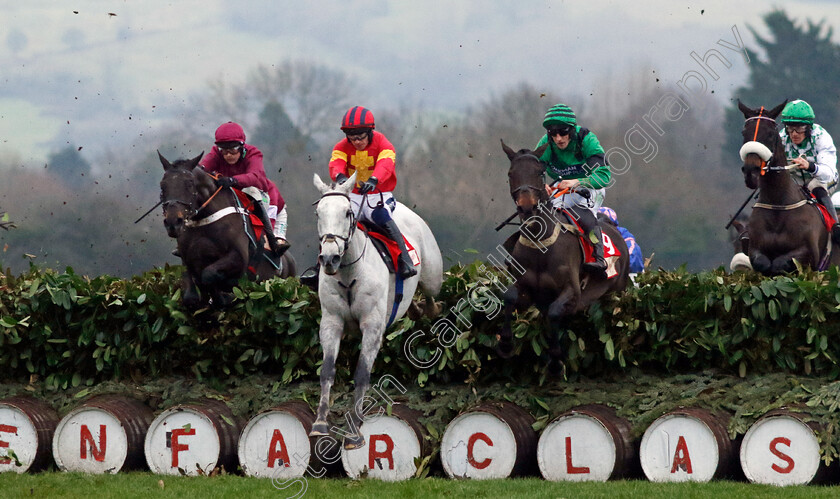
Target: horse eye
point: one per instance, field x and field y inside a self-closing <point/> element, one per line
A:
<point x="348" y="214"/>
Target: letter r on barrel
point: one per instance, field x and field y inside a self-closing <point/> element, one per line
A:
<point x="387" y="453"/>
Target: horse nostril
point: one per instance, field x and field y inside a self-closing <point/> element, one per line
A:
<point x="335" y="260"/>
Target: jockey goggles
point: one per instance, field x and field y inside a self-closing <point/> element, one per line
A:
<point x="356" y="137"/>
<point x="561" y="131"/>
<point x="796" y="128"/>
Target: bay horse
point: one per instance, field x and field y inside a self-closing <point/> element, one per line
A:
<point x="357" y="290"/>
<point x="549" y="251"/>
<point x="216" y="248"/>
<point x="785" y="225"/>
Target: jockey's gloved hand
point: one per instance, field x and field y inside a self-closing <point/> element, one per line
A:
<point x="340" y="179"/>
<point x="227" y="182"/>
<point x="368" y="185"/>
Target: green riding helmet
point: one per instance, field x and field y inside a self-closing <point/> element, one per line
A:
<point x="798" y="111"/>
<point x="559" y="114"/>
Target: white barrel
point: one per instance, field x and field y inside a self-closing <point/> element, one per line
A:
<point x="27" y="426"/>
<point x="193" y="439"/>
<point x="493" y="440"/>
<point x="103" y="435"/>
<point x="688" y="444"/>
<point x="393" y="444"/>
<point x="781" y="449"/>
<point x="587" y="443"/>
<point x="275" y="443"/>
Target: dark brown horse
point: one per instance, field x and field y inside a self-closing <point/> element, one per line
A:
<point x="549" y="251"/>
<point x="784" y="224"/>
<point x="214" y="235"/>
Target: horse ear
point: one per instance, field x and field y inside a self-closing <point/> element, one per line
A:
<point x="165" y="162"/>
<point x="777" y="110"/>
<point x="196" y="159"/>
<point x="507" y="150"/>
<point x="348" y="184"/>
<point x="320" y="185"/>
<point x="540" y="150"/>
<point x="744" y="109"/>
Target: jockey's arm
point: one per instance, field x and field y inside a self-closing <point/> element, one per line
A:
<point x="826" y="160"/>
<point x="338" y="164"/>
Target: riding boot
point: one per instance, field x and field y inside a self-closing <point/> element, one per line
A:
<point x="405" y="266"/>
<point x="592" y="230"/>
<point x="825" y="200"/>
<point x="309" y="277"/>
<point x="261" y="212"/>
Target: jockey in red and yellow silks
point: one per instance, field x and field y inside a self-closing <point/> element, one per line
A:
<point x="376" y="160"/>
<point x="371" y="156"/>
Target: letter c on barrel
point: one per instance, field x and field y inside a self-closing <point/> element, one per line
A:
<point x="471" y="443"/>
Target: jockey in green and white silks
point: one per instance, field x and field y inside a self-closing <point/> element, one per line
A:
<point x="575" y="159"/>
<point x="811" y="148"/>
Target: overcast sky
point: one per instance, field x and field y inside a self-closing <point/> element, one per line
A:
<point x="97" y="73"/>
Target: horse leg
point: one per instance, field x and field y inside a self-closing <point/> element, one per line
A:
<point x="224" y="270"/>
<point x="330" y="337"/>
<point x="191" y="298"/>
<point x="504" y="347"/>
<point x="563" y="306"/>
<point x="760" y="262"/>
<point x="371" y="343"/>
<point x="784" y="263"/>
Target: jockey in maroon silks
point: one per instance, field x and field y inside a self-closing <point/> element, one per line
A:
<point x="241" y="165"/>
<point x="371" y="156"/>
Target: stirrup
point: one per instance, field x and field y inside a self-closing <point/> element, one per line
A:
<point x="309" y="277"/>
<point x="599" y="266"/>
<point x="405" y="270"/>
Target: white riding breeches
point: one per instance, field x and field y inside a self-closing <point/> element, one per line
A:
<point x="596" y="199"/>
<point x="280" y="219"/>
<point x="371" y="201"/>
<point x="280" y="222"/>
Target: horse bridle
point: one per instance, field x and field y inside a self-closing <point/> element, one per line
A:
<point x="330" y="237"/>
<point x="190" y="210"/>
<point x="765" y="163"/>
<point x="540" y="189"/>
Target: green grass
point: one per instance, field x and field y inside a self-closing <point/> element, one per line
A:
<point x="129" y="485"/>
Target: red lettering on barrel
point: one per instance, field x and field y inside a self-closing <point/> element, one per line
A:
<point x="682" y="460"/>
<point x="388" y="453"/>
<point x="4" y="428"/>
<point x="176" y="447"/>
<point x="781" y="455"/>
<point x="85" y="436"/>
<point x="571" y="468"/>
<point x="275" y="454"/>
<point x="471" y="443"/>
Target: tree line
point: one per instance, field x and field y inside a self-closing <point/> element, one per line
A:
<point x="450" y="164"/>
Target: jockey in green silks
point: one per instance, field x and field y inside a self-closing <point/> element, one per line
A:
<point x="575" y="160"/>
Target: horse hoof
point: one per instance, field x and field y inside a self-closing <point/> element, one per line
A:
<point x="319" y="429"/>
<point x="354" y="442"/>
